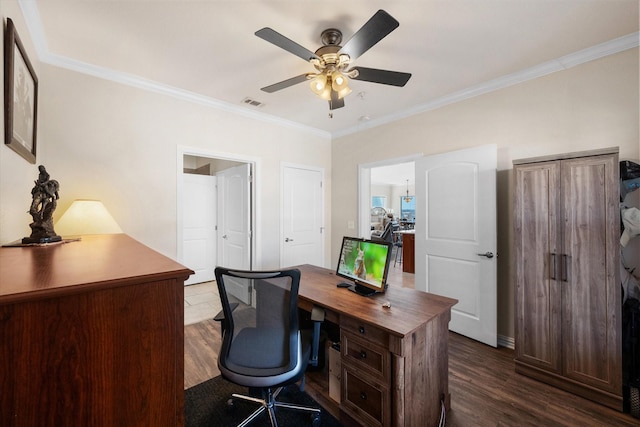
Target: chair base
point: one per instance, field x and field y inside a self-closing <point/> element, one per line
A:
<point x="270" y="404"/>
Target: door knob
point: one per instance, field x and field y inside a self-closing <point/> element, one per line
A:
<point x="288" y="240"/>
<point x="224" y="237"/>
<point x="487" y="254"/>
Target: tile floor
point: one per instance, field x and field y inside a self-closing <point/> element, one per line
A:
<point x="201" y="302"/>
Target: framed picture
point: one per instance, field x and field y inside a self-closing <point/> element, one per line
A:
<point x="20" y="97"/>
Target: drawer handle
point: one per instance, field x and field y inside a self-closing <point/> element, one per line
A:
<point x="363" y="354"/>
<point x="363" y="395"/>
<point x="361" y="329"/>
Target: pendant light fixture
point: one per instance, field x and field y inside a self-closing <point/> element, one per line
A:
<point x="407" y="199"/>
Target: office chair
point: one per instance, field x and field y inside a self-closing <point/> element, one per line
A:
<point x="387" y="233"/>
<point x="262" y="345"/>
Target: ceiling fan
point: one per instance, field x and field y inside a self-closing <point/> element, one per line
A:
<point x="332" y="61"/>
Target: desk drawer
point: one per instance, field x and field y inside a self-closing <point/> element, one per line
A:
<point x="364" y="330"/>
<point x="365" y="399"/>
<point x="365" y="355"/>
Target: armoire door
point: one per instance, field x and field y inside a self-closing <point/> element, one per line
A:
<point x="537" y="257"/>
<point x="591" y="326"/>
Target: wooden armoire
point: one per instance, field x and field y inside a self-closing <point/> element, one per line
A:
<point x="567" y="289"/>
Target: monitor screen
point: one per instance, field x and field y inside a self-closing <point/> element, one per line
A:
<point x="365" y="263"/>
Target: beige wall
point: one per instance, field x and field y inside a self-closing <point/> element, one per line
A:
<point x="119" y="144"/>
<point x="16" y="174"/>
<point x="594" y="105"/>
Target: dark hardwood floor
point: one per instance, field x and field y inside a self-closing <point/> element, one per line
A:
<point x="485" y="390"/>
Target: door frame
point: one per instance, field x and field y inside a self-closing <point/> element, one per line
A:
<point x="364" y="189"/>
<point x="256" y="237"/>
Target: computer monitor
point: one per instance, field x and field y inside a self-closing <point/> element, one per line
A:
<point x="365" y="264"/>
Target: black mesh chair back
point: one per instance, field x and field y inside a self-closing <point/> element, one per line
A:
<point x="262" y="345"/>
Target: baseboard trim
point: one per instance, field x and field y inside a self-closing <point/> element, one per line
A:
<point x="507" y="342"/>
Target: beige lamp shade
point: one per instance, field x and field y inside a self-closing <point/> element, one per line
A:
<point x="86" y="217"/>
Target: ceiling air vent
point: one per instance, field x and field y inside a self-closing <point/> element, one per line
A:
<point x="253" y="102"/>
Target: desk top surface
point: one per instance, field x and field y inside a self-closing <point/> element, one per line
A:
<point x="99" y="261"/>
<point x="410" y="308"/>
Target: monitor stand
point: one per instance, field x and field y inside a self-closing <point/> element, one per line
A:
<point x="362" y="290"/>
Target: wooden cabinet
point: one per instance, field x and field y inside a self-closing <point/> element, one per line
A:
<point x="91" y="334"/>
<point x="409" y="252"/>
<point x="566" y="246"/>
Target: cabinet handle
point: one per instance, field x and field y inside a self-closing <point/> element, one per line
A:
<point x="361" y="329"/>
<point x="565" y="270"/>
<point x="363" y="395"/>
<point x="553" y="268"/>
<point x="363" y="354"/>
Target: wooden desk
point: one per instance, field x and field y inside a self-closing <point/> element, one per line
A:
<point x="91" y="334"/>
<point x="395" y="361"/>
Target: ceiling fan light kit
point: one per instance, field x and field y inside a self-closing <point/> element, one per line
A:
<point x="325" y="83"/>
<point x="332" y="61"/>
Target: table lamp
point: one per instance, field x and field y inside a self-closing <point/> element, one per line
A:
<point x="86" y="217"/>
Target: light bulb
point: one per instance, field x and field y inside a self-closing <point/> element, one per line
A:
<point x="320" y="87"/>
<point x="340" y="84"/>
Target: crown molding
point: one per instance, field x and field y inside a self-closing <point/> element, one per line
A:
<point x="34" y="25"/>
<point x="592" y="53"/>
<point x="185" y="95"/>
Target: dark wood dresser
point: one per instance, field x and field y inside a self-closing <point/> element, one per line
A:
<point x="91" y="334"/>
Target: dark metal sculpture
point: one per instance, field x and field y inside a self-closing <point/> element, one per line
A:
<point x="45" y="200"/>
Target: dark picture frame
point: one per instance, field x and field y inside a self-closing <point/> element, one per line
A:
<point x="20" y="97"/>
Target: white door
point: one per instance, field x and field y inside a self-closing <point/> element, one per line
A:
<point x="234" y="222"/>
<point x="199" y="221"/>
<point x="301" y="216"/>
<point x="456" y="236"/>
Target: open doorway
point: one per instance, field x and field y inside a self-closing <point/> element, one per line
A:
<point x="216" y="213"/>
<point x="384" y="188"/>
<point x="393" y="194"/>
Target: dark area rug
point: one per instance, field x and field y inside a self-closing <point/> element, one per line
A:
<point x="206" y="405"/>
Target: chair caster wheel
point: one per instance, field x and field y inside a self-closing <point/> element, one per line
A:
<point x="315" y="420"/>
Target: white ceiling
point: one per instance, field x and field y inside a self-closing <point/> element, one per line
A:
<point x="400" y="174"/>
<point x="207" y="51"/>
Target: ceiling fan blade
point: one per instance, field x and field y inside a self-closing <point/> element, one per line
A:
<point x="374" y="30"/>
<point x="285" y="83"/>
<point x="335" y="102"/>
<point x="281" y="41"/>
<point x="385" y="77"/>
